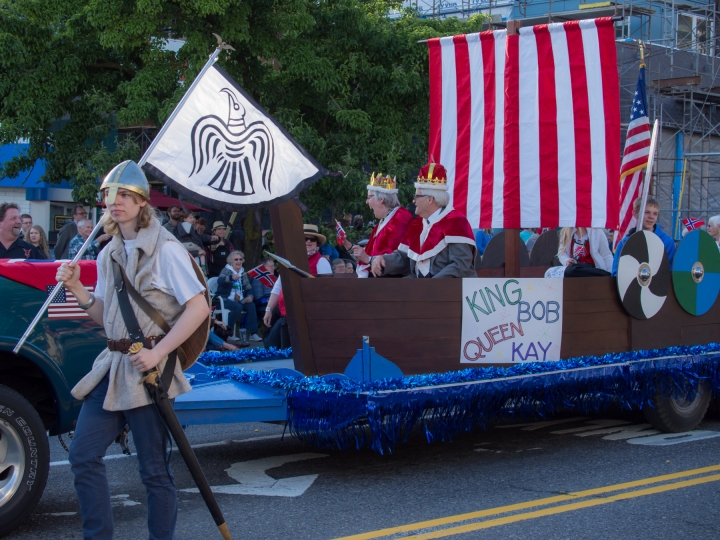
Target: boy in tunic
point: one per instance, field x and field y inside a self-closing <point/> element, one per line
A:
<point x="113" y="392"/>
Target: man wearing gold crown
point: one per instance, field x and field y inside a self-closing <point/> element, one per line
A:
<point x="394" y="220"/>
<point x="439" y="242"/>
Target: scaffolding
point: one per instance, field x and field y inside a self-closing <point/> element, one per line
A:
<point x="682" y="72"/>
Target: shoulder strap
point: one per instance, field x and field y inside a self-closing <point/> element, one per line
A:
<point x="128" y="315"/>
<point x="143" y="304"/>
<point x="123" y="289"/>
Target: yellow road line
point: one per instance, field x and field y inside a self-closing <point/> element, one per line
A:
<point x="564" y="508"/>
<point x="528" y="504"/>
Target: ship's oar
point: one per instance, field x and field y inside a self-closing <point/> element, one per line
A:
<point x="153" y="383"/>
<point x="287" y="264"/>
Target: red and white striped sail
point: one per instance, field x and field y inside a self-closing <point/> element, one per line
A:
<point x="528" y="126"/>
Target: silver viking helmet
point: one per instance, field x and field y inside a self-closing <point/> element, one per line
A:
<point x="126" y="175"/>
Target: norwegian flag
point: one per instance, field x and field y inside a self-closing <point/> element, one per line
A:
<point x="341" y="236"/>
<point x="265" y="276"/>
<point x="65" y="305"/>
<point x="528" y="125"/>
<point x="635" y="157"/>
<point x="693" y="223"/>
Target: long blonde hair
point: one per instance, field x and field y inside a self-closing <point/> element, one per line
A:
<point x="144" y="217"/>
<point x="565" y="236"/>
<point x="43" y="242"/>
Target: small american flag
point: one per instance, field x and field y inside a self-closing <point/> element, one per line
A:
<point x="635" y="157"/>
<point x="579" y="251"/>
<point x="693" y="223"/>
<point x="341" y="236"/>
<point x="65" y="305"/>
<point x="263" y="275"/>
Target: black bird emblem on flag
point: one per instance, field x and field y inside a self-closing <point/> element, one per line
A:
<point x="241" y="156"/>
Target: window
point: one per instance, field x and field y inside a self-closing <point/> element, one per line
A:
<point x="622" y="28"/>
<point x="694" y="33"/>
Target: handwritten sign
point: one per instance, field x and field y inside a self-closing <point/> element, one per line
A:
<point x="506" y="320"/>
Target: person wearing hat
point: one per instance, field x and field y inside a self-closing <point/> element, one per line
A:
<point x="113" y="393"/>
<point x="439" y="242"/>
<point x="217" y="253"/>
<point x="313" y="241"/>
<point x="393" y="222"/>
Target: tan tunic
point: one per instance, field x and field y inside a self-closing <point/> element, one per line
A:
<point x="126" y="390"/>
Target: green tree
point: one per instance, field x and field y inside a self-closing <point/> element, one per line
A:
<point x="348" y="83"/>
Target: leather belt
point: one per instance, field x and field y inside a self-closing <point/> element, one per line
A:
<point x="123" y="345"/>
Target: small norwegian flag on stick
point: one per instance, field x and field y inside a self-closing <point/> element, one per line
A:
<point x="341" y="236"/>
<point x="265" y="276"/>
<point x="693" y="223"/>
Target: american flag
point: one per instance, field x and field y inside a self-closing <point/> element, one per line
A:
<point x="64" y="305"/>
<point x="528" y="125"/>
<point x="635" y="157"/>
<point x="263" y="274"/>
<point x="341" y="236"/>
<point x="693" y="223"/>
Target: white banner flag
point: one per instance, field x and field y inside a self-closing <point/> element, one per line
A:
<point x="223" y="150"/>
<point x="508" y="320"/>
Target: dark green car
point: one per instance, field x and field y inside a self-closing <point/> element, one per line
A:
<point x="35" y="400"/>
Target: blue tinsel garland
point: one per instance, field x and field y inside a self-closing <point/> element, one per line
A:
<point x="243" y="355"/>
<point x="344" y="413"/>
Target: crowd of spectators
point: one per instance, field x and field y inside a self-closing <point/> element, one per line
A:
<point x="582" y="251"/>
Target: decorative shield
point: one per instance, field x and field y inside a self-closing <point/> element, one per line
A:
<point x="696" y="272"/>
<point x="643" y="277"/>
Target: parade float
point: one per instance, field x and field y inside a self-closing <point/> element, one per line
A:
<point x="527" y="123"/>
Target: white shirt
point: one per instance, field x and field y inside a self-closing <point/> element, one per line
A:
<point x="321" y="268"/>
<point x="239" y="291"/>
<point x="181" y="282"/>
<point x="423" y="266"/>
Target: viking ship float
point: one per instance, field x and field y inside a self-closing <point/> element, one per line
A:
<point x="527" y="123"/>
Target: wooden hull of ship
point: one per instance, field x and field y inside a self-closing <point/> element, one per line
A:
<point x="416" y="323"/>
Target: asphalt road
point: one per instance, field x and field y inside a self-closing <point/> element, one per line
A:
<point x="521" y="481"/>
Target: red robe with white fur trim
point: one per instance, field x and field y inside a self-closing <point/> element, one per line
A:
<point x="452" y="228"/>
<point x="387" y="239"/>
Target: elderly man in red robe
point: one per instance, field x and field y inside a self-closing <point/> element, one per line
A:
<point x="439" y="243"/>
<point x="393" y="222"/>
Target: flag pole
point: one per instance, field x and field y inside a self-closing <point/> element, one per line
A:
<point x="648" y="174"/>
<point x="213" y="58"/>
<point x="58" y="287"/>
<point x="166" y="125"/>
<point x="680" y="199"/>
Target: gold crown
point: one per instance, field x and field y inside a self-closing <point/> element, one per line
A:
<point x="383" y="182"/>
<point x="432" y="181"/>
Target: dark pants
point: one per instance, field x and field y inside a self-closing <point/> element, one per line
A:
<point x="584" y="270"/>
<point x="278" y="337"/>
<point x="95" y="432"/>
<point x="236" y="309"/>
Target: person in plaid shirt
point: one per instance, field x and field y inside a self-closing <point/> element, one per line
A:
<point x="85" y="227"/>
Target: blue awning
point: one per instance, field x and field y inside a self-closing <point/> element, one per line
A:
<point x="28" y="179"/>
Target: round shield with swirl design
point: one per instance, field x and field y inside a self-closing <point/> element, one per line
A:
<point x="643" y="276"/>
<point x="696" y="272"/>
